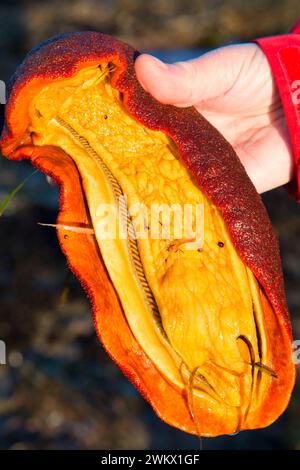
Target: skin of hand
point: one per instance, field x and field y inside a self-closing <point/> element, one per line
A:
<point x="234" y="89"/>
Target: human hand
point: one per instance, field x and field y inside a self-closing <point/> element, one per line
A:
<point x="233" y="88"/>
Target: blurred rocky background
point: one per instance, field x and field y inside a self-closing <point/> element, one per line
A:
<point x="59" y="390"/>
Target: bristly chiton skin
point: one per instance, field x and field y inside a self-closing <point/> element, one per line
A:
<point x="192" y="397"/>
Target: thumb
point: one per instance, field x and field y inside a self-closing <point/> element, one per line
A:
<point x="183" y="83"/>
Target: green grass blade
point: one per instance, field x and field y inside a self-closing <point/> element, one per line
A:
<point x="11" y="195"/>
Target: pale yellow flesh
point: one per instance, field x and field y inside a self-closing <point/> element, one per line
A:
<point x="205" y="297"/>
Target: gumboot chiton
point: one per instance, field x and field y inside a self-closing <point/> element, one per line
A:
<point x="202" y="331"/>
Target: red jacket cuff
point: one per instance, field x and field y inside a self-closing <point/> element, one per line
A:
<point x="283" y="54"/>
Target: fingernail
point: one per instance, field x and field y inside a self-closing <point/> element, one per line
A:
<point x="159" y="63"/>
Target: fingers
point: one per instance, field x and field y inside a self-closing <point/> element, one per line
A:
<point x="188" y="83"/>
<point x="168" y="83"/>
<point x="269" y="160"/>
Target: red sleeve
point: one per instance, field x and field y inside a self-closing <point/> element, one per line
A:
<point x="283" y="54"/>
